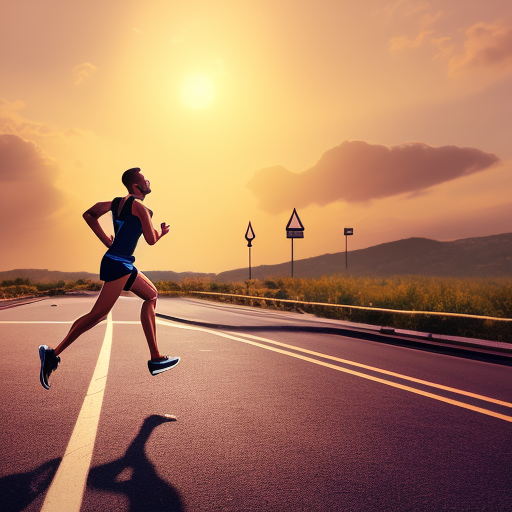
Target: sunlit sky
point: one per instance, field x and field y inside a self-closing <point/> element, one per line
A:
<point x="391" y="117"/>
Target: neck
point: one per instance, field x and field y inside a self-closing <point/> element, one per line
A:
<point x="138" y="194"/>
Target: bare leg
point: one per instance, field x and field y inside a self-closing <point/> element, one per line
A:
<point x="146" y="290"/>
<point x="104" y="303"/>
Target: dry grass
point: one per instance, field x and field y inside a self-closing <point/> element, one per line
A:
<point x="484" y="297"/>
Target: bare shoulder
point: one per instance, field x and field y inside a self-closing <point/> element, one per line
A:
<point x="138" y="208"/>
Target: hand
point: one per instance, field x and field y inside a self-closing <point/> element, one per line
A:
<point x="111" y="241"/>
<point x="165" y="229"/>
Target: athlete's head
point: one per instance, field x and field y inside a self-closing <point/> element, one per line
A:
<point x="135" y="182"/>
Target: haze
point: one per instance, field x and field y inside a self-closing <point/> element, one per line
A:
<point x="393" y="118"/>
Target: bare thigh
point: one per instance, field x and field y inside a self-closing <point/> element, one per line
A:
<point x="108" y="296"/>
<point x="144" y="288"/>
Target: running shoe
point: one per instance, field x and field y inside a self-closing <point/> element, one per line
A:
<point x="163" y="364"/>
<point x="49" y="363"/>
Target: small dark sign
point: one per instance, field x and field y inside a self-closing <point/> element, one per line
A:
<point x="348" y="231"/>
<point x="249" y="235"/>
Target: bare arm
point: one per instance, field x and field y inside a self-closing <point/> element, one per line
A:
<point x="92" y="215"/>
<point x="151" y="235"/>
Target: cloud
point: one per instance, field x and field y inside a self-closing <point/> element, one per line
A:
<point x="444" y="45"/>
<point x="404" y="8"/>
<point x="83" y="71"/>
<point x="356" y="171"/>
<point x="28" y="176"/>
<point x="403" y="42"/>
<point x="486" y="45"/>
<point x="12" y="122"/>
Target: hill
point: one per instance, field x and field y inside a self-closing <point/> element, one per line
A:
<point x="50" y="276"/>
<point x="37" y="275"/>
<point x="489" y="256"/>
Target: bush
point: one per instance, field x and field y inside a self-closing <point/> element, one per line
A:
<point x="13" y="291"/>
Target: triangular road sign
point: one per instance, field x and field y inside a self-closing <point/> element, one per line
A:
<point x="294" y="224"/>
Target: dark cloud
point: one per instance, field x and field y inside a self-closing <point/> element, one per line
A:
<point x="27" y="177"/>
<point x="22" y="160"/>
<point x="358" y="172"/>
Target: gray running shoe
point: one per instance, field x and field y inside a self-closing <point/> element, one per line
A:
<point x="49" y="363"/>
<point x="162" y="365"/>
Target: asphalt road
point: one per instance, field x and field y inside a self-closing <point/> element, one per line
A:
<point x="266" y="419"/>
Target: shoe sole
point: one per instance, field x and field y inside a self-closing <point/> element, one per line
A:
<point x="42" y="356"/>
<point x="160" y="370"/>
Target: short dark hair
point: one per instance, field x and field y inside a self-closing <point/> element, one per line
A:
<point x="130" y="177"/>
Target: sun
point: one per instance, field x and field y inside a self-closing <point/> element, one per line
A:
<point x="198" y="91"/>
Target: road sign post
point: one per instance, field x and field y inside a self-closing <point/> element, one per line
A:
<point x="249" y="236"/>
<point x="347" y="232"/>
<point x="294" y="229"/>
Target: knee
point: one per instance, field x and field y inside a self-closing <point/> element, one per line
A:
<point x="152" y="298"/>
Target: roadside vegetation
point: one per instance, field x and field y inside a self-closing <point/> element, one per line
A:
<point x="490" y="297"/>
<point x="16" y="288"/>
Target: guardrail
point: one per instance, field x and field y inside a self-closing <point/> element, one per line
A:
<point x="346" y="306"/>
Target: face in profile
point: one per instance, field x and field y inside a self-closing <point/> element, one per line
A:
<point x="143" y="185"/>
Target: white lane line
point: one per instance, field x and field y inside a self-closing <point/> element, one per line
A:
<point x="352" y="372"/>
<point x="67" y="488"/>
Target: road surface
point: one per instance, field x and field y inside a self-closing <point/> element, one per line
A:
<point x="265" y="419"/>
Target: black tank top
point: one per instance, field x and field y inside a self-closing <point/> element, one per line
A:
<point x="127" y="228"/>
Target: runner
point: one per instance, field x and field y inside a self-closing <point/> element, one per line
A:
<point x="131" y="219"/>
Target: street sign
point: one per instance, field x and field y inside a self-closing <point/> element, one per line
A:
<point x="249" y="235"/>
<point x="294" y="228"/>
<point x="347" y="232"/>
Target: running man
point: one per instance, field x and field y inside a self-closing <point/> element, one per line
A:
<point x="131" y="219"/>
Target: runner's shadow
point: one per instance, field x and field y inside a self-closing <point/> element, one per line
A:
<point x="134" y="476"/>
<point x="18" y="491"/>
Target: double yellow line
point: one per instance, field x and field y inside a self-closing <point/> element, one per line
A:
<point x="67" y="488"/>
<point x="242" y="337"/>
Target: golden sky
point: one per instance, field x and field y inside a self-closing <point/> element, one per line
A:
<point x="391" y="117"/>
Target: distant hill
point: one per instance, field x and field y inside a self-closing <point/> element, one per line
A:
<point x="489" y="256"/>
<point x="51" y="276"/>
<point x="38" y="275"/>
